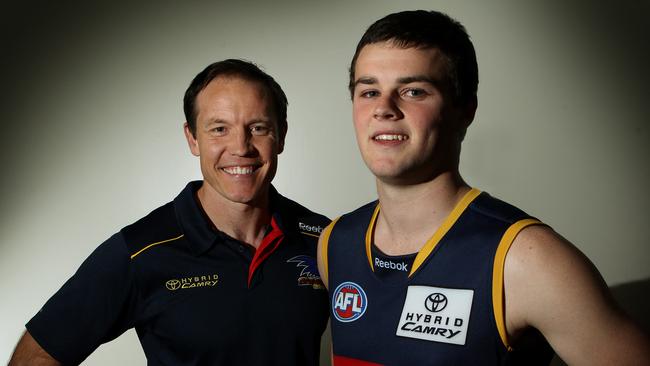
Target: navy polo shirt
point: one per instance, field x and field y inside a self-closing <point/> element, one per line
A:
<point x="195" y="295"/>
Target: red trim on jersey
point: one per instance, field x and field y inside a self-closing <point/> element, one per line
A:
<point x="268" y="246"/>
<point x="347" y="361"/>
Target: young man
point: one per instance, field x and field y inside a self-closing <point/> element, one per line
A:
<point x="436" y="272"/>
<point x="225" y="274"/>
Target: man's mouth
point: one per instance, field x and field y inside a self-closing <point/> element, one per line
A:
<point x="240" y="170"/>
<point x="390" y="137"/>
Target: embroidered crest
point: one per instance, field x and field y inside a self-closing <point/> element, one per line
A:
<point x="309" y="275"/>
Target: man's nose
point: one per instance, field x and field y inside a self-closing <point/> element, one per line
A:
<point x="386" y="108"/>
<point x="242" y="144"/>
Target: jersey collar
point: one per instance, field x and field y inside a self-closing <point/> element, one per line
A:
<point x="197" y="228"/>
<point x="431" y="244"/>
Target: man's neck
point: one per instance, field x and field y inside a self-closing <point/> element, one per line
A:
<point x="411" y="214"/>
<point x="246" y="222"/>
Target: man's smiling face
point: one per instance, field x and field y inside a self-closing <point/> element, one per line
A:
<point x="237" y="139"/>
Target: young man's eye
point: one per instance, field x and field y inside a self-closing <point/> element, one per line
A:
<point x="413" y="93"/>
<point x="368" y="93"/>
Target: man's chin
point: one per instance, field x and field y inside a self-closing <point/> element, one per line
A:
<point x="403" y="178"/>
<point x="252" y="197"/>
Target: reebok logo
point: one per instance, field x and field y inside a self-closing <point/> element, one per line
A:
<point x="391" y="265"/>
<point x="310" y="228"/>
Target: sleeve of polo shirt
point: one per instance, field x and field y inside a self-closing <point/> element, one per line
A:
<point x="93" y="307"/>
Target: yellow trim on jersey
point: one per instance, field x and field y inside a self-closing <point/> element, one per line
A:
<point x="497" y="275"/>
<point x="324" y="243"/>
<point x="431" y="244"/>
<point x="156" y="243"/>
<point x="310" y="234"/>
<point x="369" y="231"/>
<point x="428" y="247"/>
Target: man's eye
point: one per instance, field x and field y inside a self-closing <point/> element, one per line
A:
<point x="413" y="93"/>
<point x="220" y="130"/>
<point x="368" y="94"/>
<point x="259" y="130"/>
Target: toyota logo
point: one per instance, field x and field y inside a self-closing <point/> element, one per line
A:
<point x="435" y="302"/>
<point x="173" y="284"/>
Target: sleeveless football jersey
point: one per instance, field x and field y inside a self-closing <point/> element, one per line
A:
<point x="449" y="309"/>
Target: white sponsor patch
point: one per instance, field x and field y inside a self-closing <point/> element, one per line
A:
<point x="436" y="314"/>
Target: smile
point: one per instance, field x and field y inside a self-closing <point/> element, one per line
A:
<point x="240" y="170"/>
<point x="387" y="137"/>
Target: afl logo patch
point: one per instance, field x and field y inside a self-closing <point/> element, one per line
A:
<point x="349" y="302"/>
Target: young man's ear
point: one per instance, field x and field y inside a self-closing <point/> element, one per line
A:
<point x="191" y="140"/>
<point x="470" y="111"/>
<point x="467" y="113"/>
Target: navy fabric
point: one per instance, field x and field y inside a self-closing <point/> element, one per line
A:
<point x="463" y="259"/>
<point x="182" y="285"/>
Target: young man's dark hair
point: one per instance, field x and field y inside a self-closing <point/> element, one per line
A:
<point x="241" y="69"/>
<point x="429" y="29"/>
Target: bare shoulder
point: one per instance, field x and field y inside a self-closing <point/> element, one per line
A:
<point x="538" y="253"/>
<point x="552" y="286"/>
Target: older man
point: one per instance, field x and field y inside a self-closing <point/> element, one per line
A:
<point x="224" y="274"/>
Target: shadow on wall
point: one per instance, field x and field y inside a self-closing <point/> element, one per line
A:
<point x="634" y="299"/>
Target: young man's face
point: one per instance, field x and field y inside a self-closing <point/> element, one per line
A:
<point x="403" y="115"/>
<point x="237" y="139"/>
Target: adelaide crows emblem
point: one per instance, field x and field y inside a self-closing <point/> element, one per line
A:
<point x="308" y="271"/>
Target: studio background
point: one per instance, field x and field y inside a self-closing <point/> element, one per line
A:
<point x="92" y="117"/>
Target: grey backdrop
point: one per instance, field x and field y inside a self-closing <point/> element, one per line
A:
<point x="92" y="136"/>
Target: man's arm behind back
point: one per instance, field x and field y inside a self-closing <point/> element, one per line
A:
<point x="29" y="352"/>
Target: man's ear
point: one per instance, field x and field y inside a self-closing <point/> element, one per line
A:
<point x="468" y="112"/>
<point x="191" y="140"/>
<point x="281" y="137"/>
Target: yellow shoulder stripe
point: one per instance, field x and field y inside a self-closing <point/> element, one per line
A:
<point x="369" y="233"/>
<point x="497" y="275"/>
<point x="324" y="243"/>
<point x="431" y="244"/>
<point x="156" y="243"/>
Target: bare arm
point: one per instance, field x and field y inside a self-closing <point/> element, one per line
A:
<point x="552" y="286"/>
<point x="29" y="352"/>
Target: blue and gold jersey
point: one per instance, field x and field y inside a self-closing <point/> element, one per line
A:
<point x="448" y="310"/>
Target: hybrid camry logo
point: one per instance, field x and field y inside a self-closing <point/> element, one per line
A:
<point x="435" y="302"/>
<point x="173" y="285"/>
<point x="436" y="314"/>
<point x="349" y="302"/>
<point x="192" y="282"/>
